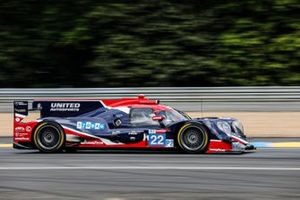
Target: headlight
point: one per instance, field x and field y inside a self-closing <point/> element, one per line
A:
<point x="224" y="126"/>
<point x="238" y="127"/>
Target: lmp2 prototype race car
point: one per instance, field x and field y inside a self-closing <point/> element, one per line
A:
<point x="127" y="123"/>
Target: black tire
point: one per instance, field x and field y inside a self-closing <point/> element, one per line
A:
<point x="49" y="137"/>
<point x="193" y="138"/>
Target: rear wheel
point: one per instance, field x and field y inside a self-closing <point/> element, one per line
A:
<point x="49" y="137"/>
<point x="193" y="138"/>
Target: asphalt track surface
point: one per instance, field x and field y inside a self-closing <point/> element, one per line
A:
<point x="265" y="174"/>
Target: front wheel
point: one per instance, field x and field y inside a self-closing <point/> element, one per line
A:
<point x="193" y="138"/>
<point x="49" y="137"/>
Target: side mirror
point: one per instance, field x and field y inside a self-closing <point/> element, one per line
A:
<point x="158" y="118"/>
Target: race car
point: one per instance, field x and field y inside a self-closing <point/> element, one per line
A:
<point x="127" y="123"/>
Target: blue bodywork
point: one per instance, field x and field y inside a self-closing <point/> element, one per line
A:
<point x="101" y="122"/>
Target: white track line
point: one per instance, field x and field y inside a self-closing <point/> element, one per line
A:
<point x="150" y="168"/>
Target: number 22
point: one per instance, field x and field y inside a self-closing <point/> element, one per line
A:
<point x="157" y="139"/>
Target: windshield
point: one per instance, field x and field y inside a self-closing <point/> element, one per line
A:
<point x="172" y="115"/>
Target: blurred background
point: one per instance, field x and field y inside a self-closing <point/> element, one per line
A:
<point x="229" y="58"/>
<point x="125" y="45"/>
<point x="86" y="43"/>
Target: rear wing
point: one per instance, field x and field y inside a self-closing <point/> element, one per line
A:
<point x="56" y="108"/>
<point x="20" y="109"/>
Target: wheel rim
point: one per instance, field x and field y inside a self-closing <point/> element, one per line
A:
<point x="192" y="139"/>
<point x="49" y="137"/>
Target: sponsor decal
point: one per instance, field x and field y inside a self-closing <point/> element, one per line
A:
<point x="132" y="133"/>
<point x="20" y="110"/>
<point x="39" y="106"/>
<point x="92" y="142"/>
<point x="28" y="129"/>
<point x="169" y="143"/>
<point x="117" y="122"/>
<point x="21" y="138"/>
<point x="70" y="107"/>
<point x="132" y="138"/>
<point x="116" y="132"/>
<point x="119" y="115"/>
<point x="90" y="125"/>
<point x="21" y="107"/>
<point x="218" y="150"/>
<point x="79" y="125"/>
<point x="151" y="131"/>
<point x="19" y="129"/>
<point x="20" y="103"/>
<point x="21" y="135"/>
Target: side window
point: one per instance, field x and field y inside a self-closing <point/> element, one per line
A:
<point x="140" y="117"/>
<point x="171" y="116"/>
<point x="167" y="117"/>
